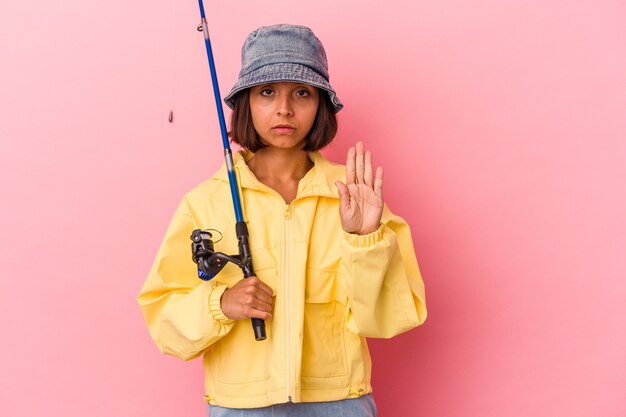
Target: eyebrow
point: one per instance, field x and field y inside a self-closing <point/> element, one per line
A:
<point x="273" y="84"/>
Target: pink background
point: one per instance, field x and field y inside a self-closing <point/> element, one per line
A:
<point x="501" y="125"/>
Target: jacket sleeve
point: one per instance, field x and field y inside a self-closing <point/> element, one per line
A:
<point x="382" y="279"/>
<point x="182" y="312"/>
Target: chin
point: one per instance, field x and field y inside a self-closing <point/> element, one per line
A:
<point x="284" y="144"/>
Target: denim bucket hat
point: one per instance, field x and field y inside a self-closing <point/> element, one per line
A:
<point x="283" y="53"/>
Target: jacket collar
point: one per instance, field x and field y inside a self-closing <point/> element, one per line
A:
<point x="319" y="181"/>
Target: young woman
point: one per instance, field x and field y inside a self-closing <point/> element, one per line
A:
<point x="333" y="265"/>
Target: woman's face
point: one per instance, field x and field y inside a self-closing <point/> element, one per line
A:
<point x="283" y="113"/>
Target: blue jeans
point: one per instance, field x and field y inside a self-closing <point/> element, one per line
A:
<point x="353" y="407"/>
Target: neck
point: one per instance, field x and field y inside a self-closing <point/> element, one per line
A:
<point x="280" y="169"/>
<point x="281" y="165"/>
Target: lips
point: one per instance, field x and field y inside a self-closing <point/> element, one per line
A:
<point x="283" y="128"/>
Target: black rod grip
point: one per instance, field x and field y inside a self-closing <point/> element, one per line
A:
<point x="258" y="326"/>
<point x="241" y="228"/>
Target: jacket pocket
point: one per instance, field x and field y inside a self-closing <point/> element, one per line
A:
<point x="323" y="342"/>
<point x="240" y="358"/>
<point x="323" y="345"/>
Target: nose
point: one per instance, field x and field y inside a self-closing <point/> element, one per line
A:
<point x="284" y="106"/>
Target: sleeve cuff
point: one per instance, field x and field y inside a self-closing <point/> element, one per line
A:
<point x="364" y="241"/>
<point x="215" y="307"/>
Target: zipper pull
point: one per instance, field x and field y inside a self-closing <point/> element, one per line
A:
<point x="288" y="211"/>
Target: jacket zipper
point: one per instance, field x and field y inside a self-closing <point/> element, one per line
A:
<point x="288" y="298"/>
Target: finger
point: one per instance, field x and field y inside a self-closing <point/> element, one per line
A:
<point x="263" y="296"/>
<point x="263" y="316"/>
<point x="260" y="305"/>
<point x="378" y="183"/>
<point x="249" y="311"/>
<point x="258" y="314"/>
<point x="359" y="163"/>
<point x="350" y="168"/>
<point x="255" y="297"/>
<point x="344" y="195"/>
<point x="257" y="290"/>
<point x="252" y="300"/>
<point x="266" y="289"/>
<point x="367" y="174"/>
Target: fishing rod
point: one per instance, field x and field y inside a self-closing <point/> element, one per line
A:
<point x="211" y="262"/>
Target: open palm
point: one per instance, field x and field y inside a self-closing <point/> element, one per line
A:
<point x="361" y="198"/>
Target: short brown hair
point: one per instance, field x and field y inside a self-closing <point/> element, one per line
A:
<point x="242" y="130"/>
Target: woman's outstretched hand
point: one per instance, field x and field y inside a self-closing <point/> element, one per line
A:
<point x="361" y="198"/>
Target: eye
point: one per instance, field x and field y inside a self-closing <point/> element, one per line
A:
<point x="303" y="92"/>
<point x="266" y="91"/>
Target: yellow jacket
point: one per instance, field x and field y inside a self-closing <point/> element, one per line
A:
<point x="332" y="290"/>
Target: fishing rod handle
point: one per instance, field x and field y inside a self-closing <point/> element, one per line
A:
<point x="241" y="228"/>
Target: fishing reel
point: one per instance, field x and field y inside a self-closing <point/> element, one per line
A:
<point x="210" y="263"/>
